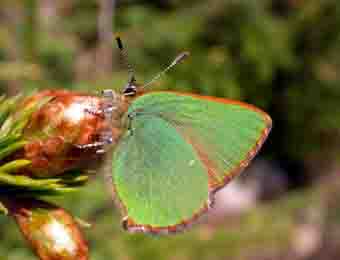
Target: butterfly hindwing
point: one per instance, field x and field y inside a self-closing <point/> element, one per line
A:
<point x="153" y="170"/>
<point x="179" y="150"/>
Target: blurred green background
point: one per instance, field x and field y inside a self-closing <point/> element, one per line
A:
<point x="280" y="55"/>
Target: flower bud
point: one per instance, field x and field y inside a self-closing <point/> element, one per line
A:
<point x="51" y="231"/>
<point x="57" y="131"/>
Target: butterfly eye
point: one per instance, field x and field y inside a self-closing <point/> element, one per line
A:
<point x="130" y="90"/>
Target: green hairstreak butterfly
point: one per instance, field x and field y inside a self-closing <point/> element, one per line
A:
<point x="173" y="151"/>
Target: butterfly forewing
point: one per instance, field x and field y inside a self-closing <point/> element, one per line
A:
<point x="181" y="146"/>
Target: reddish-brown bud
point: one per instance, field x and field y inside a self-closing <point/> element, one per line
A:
<point x="57" y="130"/>
<point x="51" y="231"/>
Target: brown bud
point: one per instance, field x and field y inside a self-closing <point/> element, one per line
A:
<point x="57" y="130"/>
<point x="51" y="231"/>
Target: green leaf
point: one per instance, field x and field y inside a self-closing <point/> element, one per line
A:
<point x="11" y="149"/>
<point x="3" y="209"/>
<point x="7" y="105"/>
<point x="14" y="166"/>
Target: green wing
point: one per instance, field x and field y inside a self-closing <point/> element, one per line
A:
<point x="180" y="149"/>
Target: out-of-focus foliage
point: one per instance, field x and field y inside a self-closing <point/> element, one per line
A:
<point x="281" y="55"/>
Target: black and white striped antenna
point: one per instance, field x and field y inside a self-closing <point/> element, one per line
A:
<point x="132" y="79"/>
<point x="125" y="60"/>
<point x="176" y="61"/>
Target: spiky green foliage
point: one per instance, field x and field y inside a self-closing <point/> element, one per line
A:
<point x="12" y="124"/>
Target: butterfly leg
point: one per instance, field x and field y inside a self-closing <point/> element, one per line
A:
<point x="131" y="116"/>
<point x="110" y="102"/>
<point x="106" y="138"/>
<point x="95" y="112"/>
<point x="105" y="113"/>
<point x="99" y="144"/>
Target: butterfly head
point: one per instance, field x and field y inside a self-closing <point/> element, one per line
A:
<point x="130" y="88"/>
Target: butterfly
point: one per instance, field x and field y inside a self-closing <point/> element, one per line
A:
<point x="173" y="151"/>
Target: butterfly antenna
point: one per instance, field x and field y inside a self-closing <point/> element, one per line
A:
<point x="177" y="60"/>
<point x="124" y="58"/>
